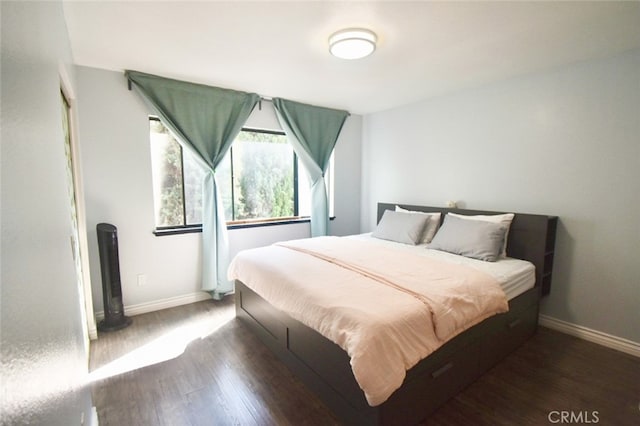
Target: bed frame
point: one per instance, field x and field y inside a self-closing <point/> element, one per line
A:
<point x="325" y="368"/>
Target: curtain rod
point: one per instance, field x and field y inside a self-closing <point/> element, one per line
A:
<point x="262" y="98"/>
<point x="266" y="99"/>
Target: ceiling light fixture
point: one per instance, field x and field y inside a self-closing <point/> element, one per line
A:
<point x="352" y="43"/>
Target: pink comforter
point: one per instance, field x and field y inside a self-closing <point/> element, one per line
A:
<point x="387" y="309"/>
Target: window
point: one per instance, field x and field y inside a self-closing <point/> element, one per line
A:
<point x="259" y="180"/>
<point x="177" y="180"/>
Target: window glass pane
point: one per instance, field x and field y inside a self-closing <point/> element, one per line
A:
<point x="263" y="176"/>
<point x="193" y="176"/>
<point x="331" y="185"/>
<point x="304" y="191"/>
<point x="258" y="185"/>
<point x="223" y="180"/>
<point x="166" y="166"/>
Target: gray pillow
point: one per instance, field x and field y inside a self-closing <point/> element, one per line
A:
<point x="471" y="238"/>
<point x="401" y="227"/>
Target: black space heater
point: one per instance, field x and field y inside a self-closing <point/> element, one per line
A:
<point x="114" y="318"/>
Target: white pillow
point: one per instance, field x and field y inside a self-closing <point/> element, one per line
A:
<point x="432" y="225"/>
<point x="503" y="219"/>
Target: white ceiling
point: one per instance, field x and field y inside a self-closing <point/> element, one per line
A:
<point x="280" y="48"/>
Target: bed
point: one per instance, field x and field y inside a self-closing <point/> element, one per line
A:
<point x="326" y="368"/>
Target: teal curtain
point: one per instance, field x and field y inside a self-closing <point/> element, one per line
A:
<point x="313" y="131"/>
<point x="205" y="120"/>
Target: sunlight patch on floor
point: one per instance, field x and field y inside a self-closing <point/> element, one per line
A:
<point x="169" y="346"/>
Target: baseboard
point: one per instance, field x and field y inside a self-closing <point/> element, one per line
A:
<point x="94" y="417"/>
<point x="157" y="305"/>
<point x="93" y="331"/>
<point x="604" y="339"/>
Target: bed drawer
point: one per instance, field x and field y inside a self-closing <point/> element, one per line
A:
<point x="515" y="328"/>
<point x="445" y="376"/>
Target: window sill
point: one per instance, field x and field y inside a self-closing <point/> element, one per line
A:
<point x="177" y="230"/>
<point x="190" y="229"/>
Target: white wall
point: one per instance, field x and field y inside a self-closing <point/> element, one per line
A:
<point x="114" y="135"/>
<point x="44" y="359"/>
<point x="564" y="142"/>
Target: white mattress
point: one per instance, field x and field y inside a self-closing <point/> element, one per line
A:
<point x="515" y="276"/>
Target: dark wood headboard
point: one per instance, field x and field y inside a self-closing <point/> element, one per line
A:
<point x="531" y="237"/>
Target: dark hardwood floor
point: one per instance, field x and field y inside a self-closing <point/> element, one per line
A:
<point x="225" y="376"/>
